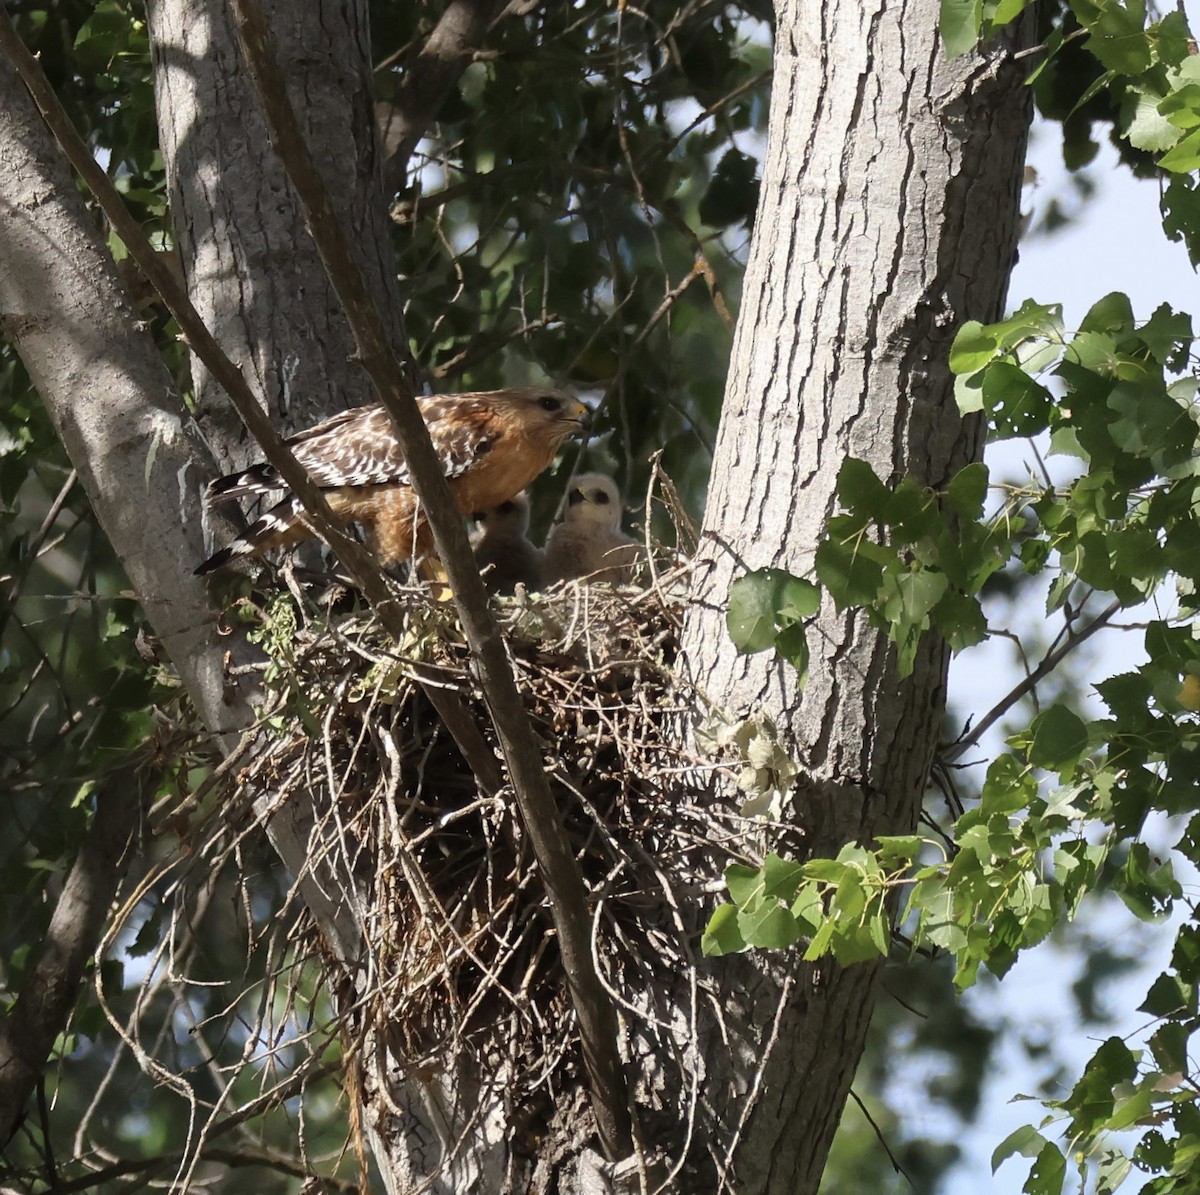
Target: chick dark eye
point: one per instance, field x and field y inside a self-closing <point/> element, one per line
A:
<point x="600" y="498"/>
<point x="549" y="403"/>
<point x="506" y="507"/>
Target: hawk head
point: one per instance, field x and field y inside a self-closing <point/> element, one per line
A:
<point x="512" y="515"/>
<point x="594" y="498"/>
<point x="542" y="412"/>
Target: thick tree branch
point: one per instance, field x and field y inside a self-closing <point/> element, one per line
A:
<point x="48" y="994"/>
<point x="565" y="891"/>
<point x="429" y="79"/>
<point x="353" y="555"/>
<point x="199" y="338"/>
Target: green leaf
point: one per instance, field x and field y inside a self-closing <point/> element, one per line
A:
<point x="960" y="23"/>
<point x="1144" y="124"/>
<point x="722" y="935"/>
<point x="1129" y="1110"/>
<point x="1168" y="335"/>
<point x="750" y="618"/>
<point x="852" y="572"/>
<point x="1181" y="108"/>
<point x="1169" y="39"/>
<point x="1181" y="214"/>
<point x="911" y="596"/>
<point x="1026" y="1141"/>
<point x="959" y="617"/>
<point x="968" y="393"/>
<point x="1169" y="996"/>
<point x="1113" y="1170"/>
<point x="1018" y="405"/>
<point x="974" y="347"/>
<point x="1113" y="313"/>
<point x="1118" y="39"/>
<point x="1005" y="11"/>
<point x="795" y="599"/>
<point x="808" y="909"/>
<point x="860" y="491"/>
<point x="1047" y="1173"/>
<point x="967" y="490"/>
<point x="744" y="883"/>
<point x="770" y="927"/>
<point x="759" y="600"/>
<point x="893" y="847"/>
<point x="1147" y="885"/>
<point x="1169" y="1045"/>
<point x="1092" y="1096"/>
<point x="1030" y="321"/>
<point x="1185" y="157"/>
<point x="1059" y="738"/>
<point x="781" y="877"/>
<point x="792" y="644"/>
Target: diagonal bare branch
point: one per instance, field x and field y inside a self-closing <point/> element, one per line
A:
<point x="1052" y="659"/>
<point x="565" y="891"/>
<point x="353" y="555"/>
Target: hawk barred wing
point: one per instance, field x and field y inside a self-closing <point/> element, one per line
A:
<point x="359" y="448"/>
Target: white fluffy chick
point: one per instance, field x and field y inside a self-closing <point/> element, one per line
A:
<point x="587" y="543"/>
<point x="503" y="552"/>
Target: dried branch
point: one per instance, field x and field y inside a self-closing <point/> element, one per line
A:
<point x="429" y="79"/>
<point x="1050" y="661"/>
<point x="48" y="995"/>
<point x="565" y="891"/>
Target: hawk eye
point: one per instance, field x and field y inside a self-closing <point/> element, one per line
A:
<point x="600" y="497"/>
<point x="549" y="403"/>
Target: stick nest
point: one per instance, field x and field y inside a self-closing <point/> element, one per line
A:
<point x="459" y="949"/>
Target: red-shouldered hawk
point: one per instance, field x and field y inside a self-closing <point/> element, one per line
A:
<point x="491" y="444"/>
<point x="588" y="543"/>
<point x="503" y="552"/>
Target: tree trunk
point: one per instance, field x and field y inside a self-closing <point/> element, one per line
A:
<point x="252" y="270"/>
<point x="888" y="216"/>
<point x="139" y="454"/>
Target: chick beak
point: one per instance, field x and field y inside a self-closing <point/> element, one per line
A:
<point x="575" y="497"/>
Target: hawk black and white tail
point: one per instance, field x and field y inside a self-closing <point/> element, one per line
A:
<point x="266" y="532"/>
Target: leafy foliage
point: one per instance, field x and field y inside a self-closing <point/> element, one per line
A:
<point x="1061" y="816"/>
<point x="1105" y="60"/>
<point x="594" y="232"/>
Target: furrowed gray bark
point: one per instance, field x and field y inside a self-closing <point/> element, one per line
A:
<point x="888" y="216"/>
